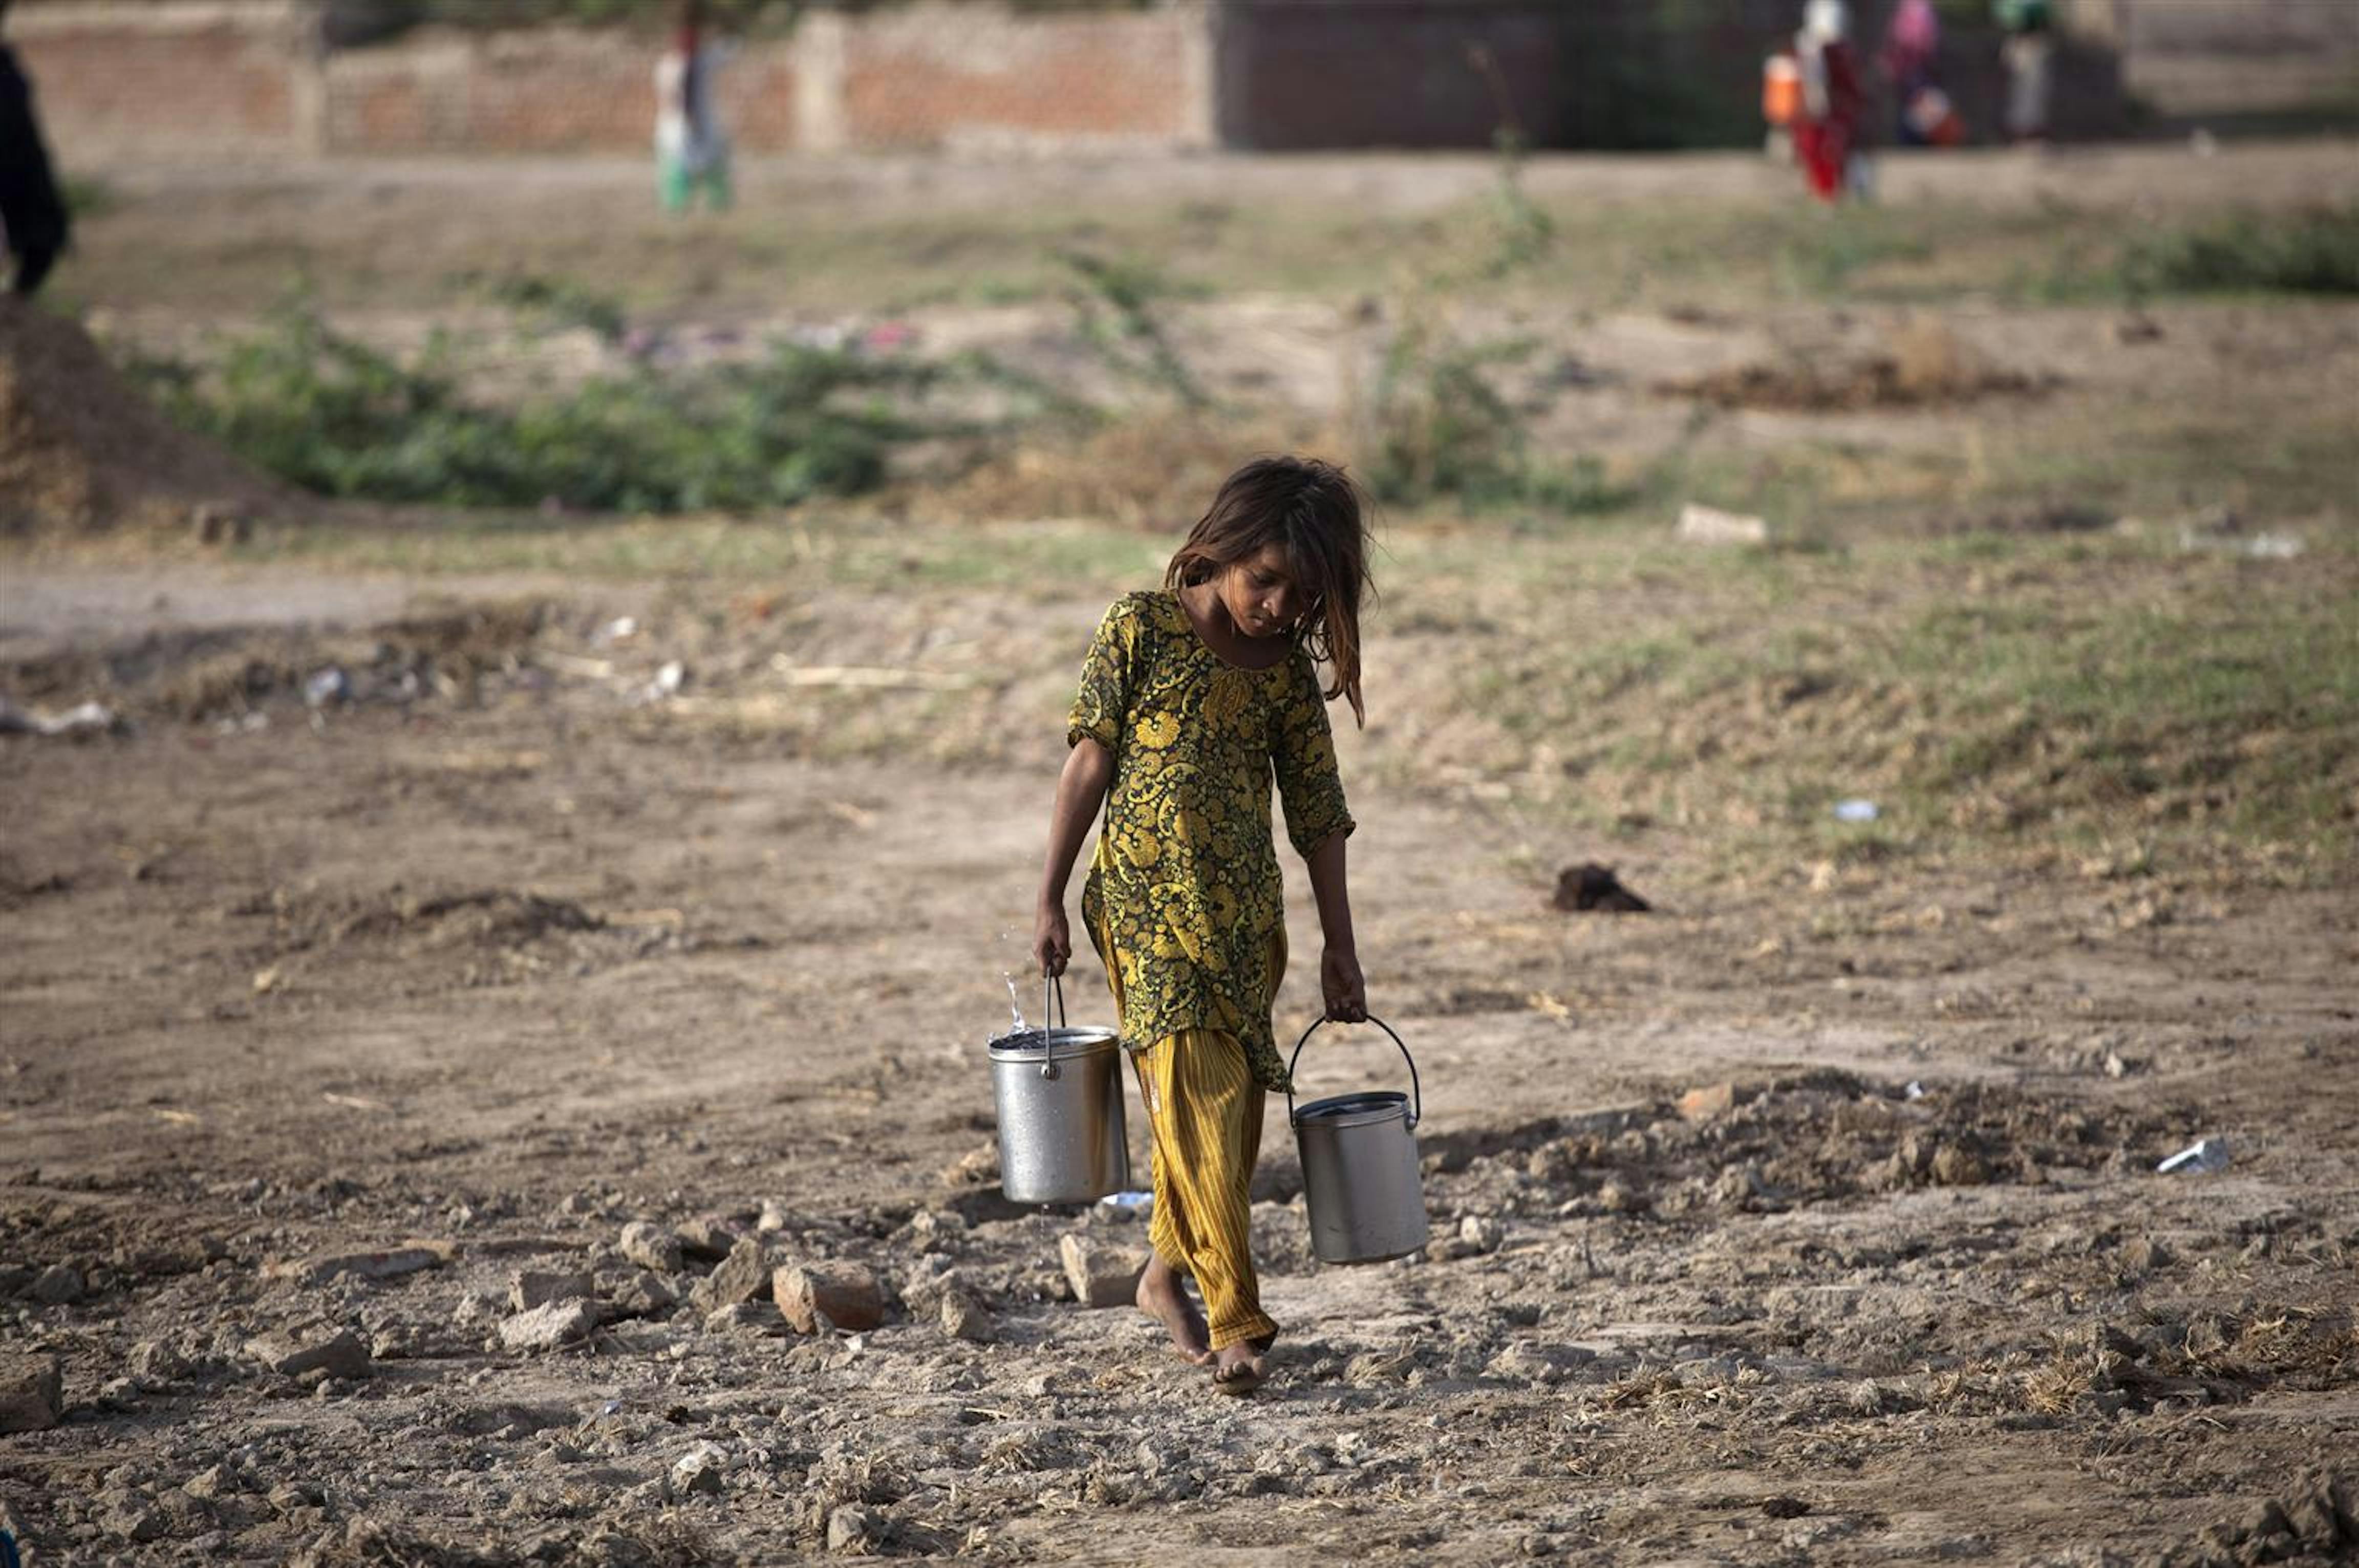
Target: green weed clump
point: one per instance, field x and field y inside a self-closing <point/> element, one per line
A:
<point x="2313" y="252"/>
<point x="1444" y="431"/>
<point x="337" y="417"/>
<point x="1440" y="427"/>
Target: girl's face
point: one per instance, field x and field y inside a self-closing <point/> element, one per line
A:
<point x="1260" y="594"/>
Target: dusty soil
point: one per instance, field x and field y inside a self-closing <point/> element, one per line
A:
<point x="80" y="449"/>
<point x="499" y="953"/>
<point x="409" y="942"/>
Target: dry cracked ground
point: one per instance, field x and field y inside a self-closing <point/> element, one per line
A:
<point x="416" y="1084"/>
<point x="477" y="984"/>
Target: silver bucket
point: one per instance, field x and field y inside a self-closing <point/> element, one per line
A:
<point x="1059" y="1096"/>
<point x="1360" y="1177"/>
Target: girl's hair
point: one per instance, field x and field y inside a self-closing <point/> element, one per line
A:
<point x="1311" y="510"/>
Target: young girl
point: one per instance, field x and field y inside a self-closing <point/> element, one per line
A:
<point x="1192" y="698"/>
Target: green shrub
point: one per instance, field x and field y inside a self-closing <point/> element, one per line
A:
<point x="2313" y="252"/>
<point x="337" y="417"/>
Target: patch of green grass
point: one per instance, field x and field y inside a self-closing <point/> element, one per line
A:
<point x="336" y="417"/>
<point x="2314" y="251"/>
<point x="554" y="302"/>
<point x="87" y="195"/>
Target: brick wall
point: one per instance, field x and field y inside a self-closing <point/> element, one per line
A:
<point x="203" y="79"/>
<point x="951" y="75"/>
<point x="194" y="80"/>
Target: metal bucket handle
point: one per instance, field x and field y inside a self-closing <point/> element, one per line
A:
<point x="1416" y="1093"/>
<point x="1053" y="1017"/>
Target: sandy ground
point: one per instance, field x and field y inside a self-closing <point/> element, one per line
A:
<point x="333" y="1031"/>
<point x="502" y="958"/>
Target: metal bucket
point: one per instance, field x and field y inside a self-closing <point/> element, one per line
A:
<point x="1059" y="1096"/>
<point x="1360" y="1177"/>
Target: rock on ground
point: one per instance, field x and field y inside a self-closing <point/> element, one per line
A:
<point x="1102" y="1275"/>
<point x="965" y="1318"/>
<point x="295" y="1353"/>
<point x="57" y="1285"/>
<point x="30" y="1392"/>
<point x="651" y="1246"/>
<point x="744" y="1276"/>
<point x="816" y="1295"/>
<point x="391" y="1263"/>
<point x="530" y="1287"/>
<point x="701" y="1469"/>
<point x="547" y="1326"/>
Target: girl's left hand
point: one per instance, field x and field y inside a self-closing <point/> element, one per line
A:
<point x="1339" y="982"/>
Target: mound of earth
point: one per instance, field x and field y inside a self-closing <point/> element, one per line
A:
<point x="1926" y="365"/>
<point x="81" y="450"/>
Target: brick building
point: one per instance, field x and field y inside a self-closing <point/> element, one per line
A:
<point x="206" y="79"/>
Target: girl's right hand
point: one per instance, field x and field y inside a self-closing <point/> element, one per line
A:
<point x="1052" y="941"/>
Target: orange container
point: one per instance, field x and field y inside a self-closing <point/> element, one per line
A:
<point x="1781" y="89"/>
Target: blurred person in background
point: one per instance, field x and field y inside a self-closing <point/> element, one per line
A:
<point x="2027" y="50"/>
<point x="1826" y="131"/>
<point x="1910" y="44"/>
<point x="692" y="148"/>
<point x="31" y="210"/>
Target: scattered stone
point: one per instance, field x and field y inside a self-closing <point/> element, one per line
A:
<point x="289" y="1495"/>
<point x="977" y="1167"/>
<point x="1710" y="524"/>
<point x="530" y="1287"/>
<point x="709" y="1237"/>
<point x="412" y="1257"/>
<point x="1619" y="1198"/>
<point x="1711" y="1101"/>
<point x="746" y="1317"/>
<point x="157" y="1362"/>
<point x="651" y="1246"/>
<point x="30" y="1391"/>
<point x="933" y="1228"/>
<point x="850" y="1528"/>
<point x="549" y="1326"/>
<point x="965" y="1318"/>
<point x="2144" y="1255"/>
<point x="642" y="1295"/>
<point x="1528" y="1361"/>
<point x="293" y="1354"/>
<point x="1102" y="1275"/>
<point x="57" y="1285"/>
<point x="213" y="1483"/>
<point x="1481" y="1233"/>
<point x="744" y="1276"/>
<point x="701" y="1469"/>
<point x="816" y="1297"/>
<point x="128" y="1516"/>
<point x="1955" y="1165"/>
<point x="16" y="1279"/>
<point x="775" y="1217"/>
<point x="1784" y="1508"/>
<point x="1739" y="1185"/>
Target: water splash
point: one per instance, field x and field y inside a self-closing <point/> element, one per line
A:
<point x="1014" y="1001"/>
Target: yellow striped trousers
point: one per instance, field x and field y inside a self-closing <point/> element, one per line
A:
<point x="1206" y="1110"/>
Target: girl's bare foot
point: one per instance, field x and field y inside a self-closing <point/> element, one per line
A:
<point x="1161" y="1297"/>
<point x="1237" y="1368"/>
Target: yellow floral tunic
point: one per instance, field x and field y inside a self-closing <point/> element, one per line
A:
<point x="1184" y="899"/>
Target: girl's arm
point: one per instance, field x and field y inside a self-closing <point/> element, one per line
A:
<point x="1081" y="791"/>
<point x="1346" y="993"/>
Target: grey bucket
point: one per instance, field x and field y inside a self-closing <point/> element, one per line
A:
<point x="1360" y="1178"/>
<point x="1058" y="1091"/>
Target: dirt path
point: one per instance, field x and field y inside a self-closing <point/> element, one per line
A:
<point x="510" y="959"/>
